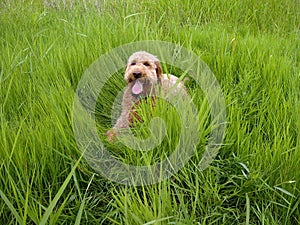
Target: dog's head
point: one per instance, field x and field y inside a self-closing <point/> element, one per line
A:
<point x="143" y="70"/>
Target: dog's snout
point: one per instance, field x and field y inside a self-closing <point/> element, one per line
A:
<point x="137" y="74"/>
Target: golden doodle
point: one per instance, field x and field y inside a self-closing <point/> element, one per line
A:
<point x="144" y="79"/>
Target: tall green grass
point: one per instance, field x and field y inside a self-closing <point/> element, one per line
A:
<point x="252" y="47"/>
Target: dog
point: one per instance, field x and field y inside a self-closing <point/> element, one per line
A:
<point x="145" y="79"/>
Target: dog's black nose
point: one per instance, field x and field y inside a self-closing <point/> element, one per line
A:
<point x="137" y="74"/>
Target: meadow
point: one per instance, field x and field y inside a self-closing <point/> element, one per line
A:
<point x="253" y="49"/>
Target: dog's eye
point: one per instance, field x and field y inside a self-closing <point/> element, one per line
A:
<point x="146" y="64"/>
<point x="132" y="64"/>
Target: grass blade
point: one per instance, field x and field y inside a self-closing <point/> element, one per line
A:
<point x="80" y="211"/>
<point x="11" y="207"/>
<point x="247" y="210"/>
<point x="284" y="191"/>
<point x="59" y="193"/>
<point x="158" y="220"/>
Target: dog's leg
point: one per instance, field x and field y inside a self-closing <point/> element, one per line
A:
<point x="124" y="119"/>
<point x="127" y="105"/>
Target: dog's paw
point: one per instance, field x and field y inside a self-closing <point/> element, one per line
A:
<point x="111" y="135"/>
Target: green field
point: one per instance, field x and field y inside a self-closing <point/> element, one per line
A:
<point x="251" y="46"/>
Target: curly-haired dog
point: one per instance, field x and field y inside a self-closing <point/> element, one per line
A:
<point x="144" y="76"/>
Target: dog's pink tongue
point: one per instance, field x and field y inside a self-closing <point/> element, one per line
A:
<point x="137" y="87"/>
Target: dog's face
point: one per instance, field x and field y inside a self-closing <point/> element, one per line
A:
<point x="143" y="70"/>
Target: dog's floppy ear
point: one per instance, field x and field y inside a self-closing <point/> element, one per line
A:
<point x="158" y="70"/>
